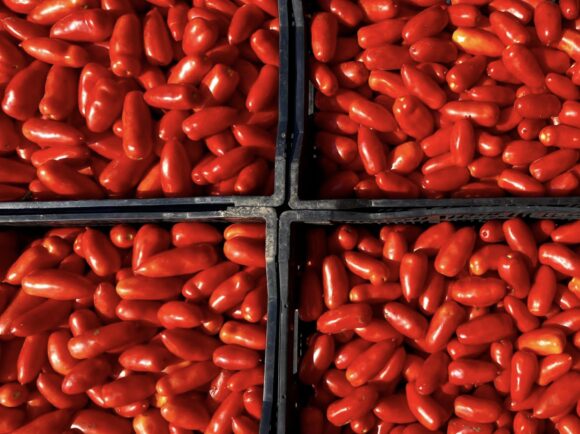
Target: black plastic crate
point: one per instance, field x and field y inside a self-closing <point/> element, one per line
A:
<point x="293" y="332"/>
<point x="302" y="172"/>
<point x="268" y="216"/>
<point x="200" y="202"/>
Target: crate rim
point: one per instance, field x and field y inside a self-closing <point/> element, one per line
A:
<point x="376" y="204"/>
<point x="332" y="217"/>
<point x="433" y="214"/>
<point x="248" y="213"/>
<point x="276" y="199"/>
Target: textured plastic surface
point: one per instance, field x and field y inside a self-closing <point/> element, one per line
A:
<point x="291" y="254"/>
<point x="303" y="184"/>
<point x="35" y="222"/>
<point x="201" y="202"/>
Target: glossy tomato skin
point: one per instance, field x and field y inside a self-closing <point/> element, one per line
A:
<point x="231" y="291"/>
<point x="92" y="25"/>
<point x="413" y="274"/>
<point x="543" y="341"/>
<point x="93" y="419"/>
<point x="317" y="359"/>
<point x="371" y="115"/>
<point x="557" y="397"/>
<point x="198" y="36"/>
<point x="49" y="385"/>
<point x="187" y="378"/>
<point x="353" y="406"/>
<point x="57" y="285"/>
<point x="189" y="344"/>
<point x="11" y="419"/>
<point x="126" y="46"/>
<point x="524" y="372"/>
<point x="366" y="267"/>
<point x="196" y="417"/>
<point x="445" y="321"/>
<point x="521" y="62"/>
<point x="127" y="390"/>
<point x="231" y="407"/>
<point x="156" y="39"/>
<point x="369" y="363"/>
<point x="559" y="257"/>
<point x="552" y="367"/>
<point x="521" y="239"/>
<point x="59" y="97"/>
<point x="477" y="291"/>
<point x="53" y="422"/>
<point x="56" y="52"/>
<point x="427" y="411"/>
<point x="65" y="182"/>
<point x="433" y="373"/>
<point x="468" y="371"/>
<point x="495" y="326"/>
<point x="33" y="258"/>
<point x="569" y="423"/>
<point x="345" y="317"/>
<point x="477" y="409"/>
<point x="524" y="320"/>
<point x="196" y="126"/>
<point x="137" y="126"/>
<point x="406" y="321"/>
<point x="31" y="358"/>
<point x="455" y="254"/>
<point x="178" y="261"/>
<point x="149" y="422"/>
<point x="19" y="101"/>
<point x="58" y="355"/>
<point x="91" y="344"/>
<point x="85" y="375"/>
<point x="13" y="395"/>
<point x="100" y="253"/>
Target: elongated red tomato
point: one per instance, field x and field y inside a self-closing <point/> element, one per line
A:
<point x="371" y="151"/>
<point x="345" y="317"/>
<point x="18" y="102"/>
<point x="245" y="251"/>
<point x="179" y="261"/>
<point x="137" y="140"/>
<point x="57" y="285"/>
<point x="66" y="182"/>
<point x="189" y="344"/>
<point x="127" y="390"/>
<point x="126" y="46"/>
<point x="31" y="358"/>
<point x="186" y="413"/>
<point x="106" y="338"/>
<point x="451" y="259"/>
<point x="353" y="406"/>
<point x="89" y="420"/>
<point x="51" y="423"/>
<point x="493" y="327"/>
<point x="85" y="375"/>
<point x="230" y="408"/>
<point x="557" y="397"/>
<point x="428" y="411"/>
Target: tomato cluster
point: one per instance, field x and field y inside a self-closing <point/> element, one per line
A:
<point x="145" y="330"/>
<point x="422" y="99"/>
<point x="129" y="98"/>
<point x="442" y="329"/>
